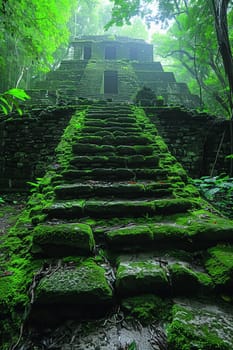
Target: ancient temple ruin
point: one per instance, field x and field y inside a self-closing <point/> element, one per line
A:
<point x="115" y="249"/>
<point x="104" y="67"/>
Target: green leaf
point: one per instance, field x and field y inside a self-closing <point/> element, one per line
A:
<point x="5" y="111"/>
<point x="18" y="93"/>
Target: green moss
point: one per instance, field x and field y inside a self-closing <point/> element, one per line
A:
<point x="187" y="281"/>
<point x="78" y="236"/>
<point x="132" y="232"/>
<point x="186" y="331"/>
<point x="220" y="265"/>
<point x="84" y="284"/>
<point x="147" y="308"/>
<point x="70" y="136"/>
<point x="135" y="277"/>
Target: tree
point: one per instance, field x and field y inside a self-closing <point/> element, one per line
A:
<point x="220" y="8"/>
<point x="190" y="41"/>
<point x="30" y="33"/>
<point x="169" y="10"/>
<point x="91" y="16"/>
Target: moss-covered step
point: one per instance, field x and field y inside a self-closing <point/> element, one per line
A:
<point x="122" y="119"/>
<point x="114" y="174"/>
<point x="131" y="150"/>
<point x="176" y="275"/>
<point x="109" y="114"/>
<point x="115" y="161"/>
<point x="202" y="325"/>
<point x="219" y="265"/>
<point x="92" y="149"/>
<point x="63" y="239"/>
<point x="193" y="231"/>
<point x="138" y="277"/>
<point x="117" y="208"/>
<point x="139" y="237"/>
<point x="114" y="140"/>
<point x="187" y="280"/>
<point x="71" y="292"/>
<point x="108" y="123"/>
<point x="133" y="140"/>
<point x="129" y="189"/>
<point x="94" y="129"/>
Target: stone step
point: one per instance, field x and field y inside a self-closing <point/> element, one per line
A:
<point x="128" y="190"/>
<point x="105" y="114"/>
<point x="75" y="209"/>
<point x="162" y="275"/>
<point x="110" y="139"/>
<point x="73" y="291"/>
<point x="115" y="174"/>
<point x="92" y="149"/>
<point x="63" y="240"/>
<point x="126" y="119"/>
<point x="132" y="162"/>
<point x="193" y="234"/>
<point x="109" y="124"/>
<point x="94" y="129"/>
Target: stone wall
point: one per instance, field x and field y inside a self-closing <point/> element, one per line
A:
<point x="194" y="139"/>
<point x="27" y="145"/>
<point x="125" y="48"/>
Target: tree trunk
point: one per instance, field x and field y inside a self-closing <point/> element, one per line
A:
<point x="221" y="25"/>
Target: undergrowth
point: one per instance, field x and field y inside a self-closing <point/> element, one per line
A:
<point x="218" y="190"/>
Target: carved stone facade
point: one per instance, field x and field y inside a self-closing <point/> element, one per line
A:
<point x="103" y="67"/>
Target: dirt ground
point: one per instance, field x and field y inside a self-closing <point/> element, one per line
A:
<point x="10" y="208"/>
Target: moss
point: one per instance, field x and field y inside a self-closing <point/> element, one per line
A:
<point x="71" y="133"/>
<point x="76" y="260"/>
<point x="132" y="232"/>
<point x="147" y="308"/>
<point x="14" y="298"/>
<point x="94" y="208"/>
<point x="162" y="145"/>
<point x="186" y="281"/>
<point x="77" y="236"/>
<point x="185" y="331"/>
<point x="84" y="284"/>
<point x="140" y="277"/>
<point x="220" y="265"/>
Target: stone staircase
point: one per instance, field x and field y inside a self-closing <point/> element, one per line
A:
<point x="92" y="77"/>
<point x="124" y="253"/>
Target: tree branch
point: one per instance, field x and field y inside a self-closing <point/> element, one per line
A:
<point x="183" y="52"/>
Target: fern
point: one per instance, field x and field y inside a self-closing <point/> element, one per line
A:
<point x="9" y="100"/>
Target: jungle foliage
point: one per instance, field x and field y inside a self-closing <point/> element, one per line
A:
<point x="32" y="34"/>
<point x="199" y="39"/>
<point x="35" y="34"/>
<point x="9" y="100"/>
<point x="218" y="190"/>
